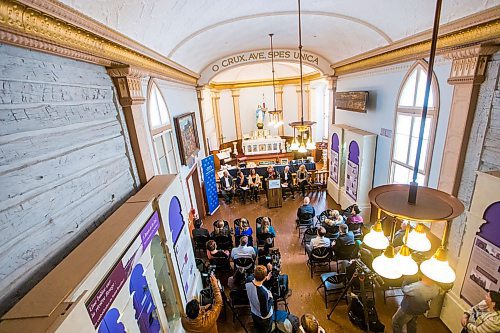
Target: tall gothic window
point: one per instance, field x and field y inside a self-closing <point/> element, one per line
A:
<point x="407" y="127"/>
<point x="161" y="129"/>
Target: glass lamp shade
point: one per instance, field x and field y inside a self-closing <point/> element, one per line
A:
<point x="376" y="238"/>
<point x="417" y="239"/>
<point x="438" y="268"/>
<point x="310" y="145"/>
<point x="279" y="123"/>
<point x="295" y="145"/>
<point x="302" y="148"/>
<point x="386" y="264"/>
<point x="406" y="264"/>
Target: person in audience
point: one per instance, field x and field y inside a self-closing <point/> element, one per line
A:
<point x="354" y="216"/>
<point x="286" y="179"/>
<point x="334" y="218"/>
<point x="243" y="251"/>
<point x="212" y="251"/>
<point x="415" y="303"/>
<point x="198" y="230"/>
<point x="483" y="317"/>
<point x="400" y="234"/>
<point x="346" y="237"/>
<point x="238" y="280"/>
<point x="266" y="227"/>
<point x="302" y="179"/>
<point x="319" y="241"/>
<point x="309" y="324"/>
<point x="198" y="319"/>
<point x="221" y="229"/>
<point x="306" y="211"/>
<point x="261" y="300"/>
<point x="254" y="183"/>
<point x="242" y="185"/>
<point x="226" y="184"/>
<point x="244" y="229"/>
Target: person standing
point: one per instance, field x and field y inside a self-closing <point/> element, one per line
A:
<point x="199" y="320"/>
<point x="261" y="300"/>
<point x="483" y="317"/>
<point x="415" y="302"/>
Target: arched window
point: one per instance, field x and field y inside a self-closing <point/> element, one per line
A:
<point x="161" y="129"/>
<point x="407" y="127"/>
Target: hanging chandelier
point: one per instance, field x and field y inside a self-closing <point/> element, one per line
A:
<point x="275" y="115"/>
<point x="423" y="204"/>
<point x="302" y="126"/>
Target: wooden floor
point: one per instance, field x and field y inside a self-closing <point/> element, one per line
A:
<point x="305" y="298"/>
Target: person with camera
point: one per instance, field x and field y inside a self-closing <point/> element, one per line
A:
<point x="483" y="317"/>
<point x="415" y="302"/>
<point x="203" y="320"/>
<point x="261" y="300"/>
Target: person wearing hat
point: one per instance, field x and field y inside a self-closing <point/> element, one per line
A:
<point x="483" y="317"/>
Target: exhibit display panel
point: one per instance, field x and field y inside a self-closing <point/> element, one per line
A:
<point x="132" y="274"/>
<point x="359" y="159"/>
<point x="336" y="153"/>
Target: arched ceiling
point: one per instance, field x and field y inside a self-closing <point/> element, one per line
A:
<point x="261" y="71"/>
<point x="196" y="33"/>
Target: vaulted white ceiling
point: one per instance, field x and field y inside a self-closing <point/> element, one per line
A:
<point x="196" y="33"/>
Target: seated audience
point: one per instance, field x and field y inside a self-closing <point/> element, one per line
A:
<point x="483" y="317"/>
<point x="302" y="179"/>
<point x="238" y="280"/>
<point x="309" y="324"/>
<point x="286" y="179"/>
<point x="306" y="211"/>
<point x="197" y="319"/>
<point x="198" y="230"/>
<point x="346" y="237"/>
<point x="226" y="185"/>
<point x="254" y="183"/>
<point x="242" y="185"/>
<point x="212" y="251"/>
<point x="400" y="234"/>
<point x="354" y="216"/>
<point x="221" y="229"/>
<point x="318" y="241"/>
<point x="266" y="227"/>
<point x="334" y="218"/>
<point x="243" y="250"/>
<point x="244" y="229"/>
<point x="261" y="300"/>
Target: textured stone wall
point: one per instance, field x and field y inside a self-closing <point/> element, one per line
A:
<point x="483" y="150"/>
<point x="65" y="162"/>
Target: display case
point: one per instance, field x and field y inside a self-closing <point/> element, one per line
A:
<point x="336" y="150"/>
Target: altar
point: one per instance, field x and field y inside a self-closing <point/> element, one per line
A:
<point x="265" y="145"/>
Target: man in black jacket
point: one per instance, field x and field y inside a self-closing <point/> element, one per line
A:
<point x="287" y="181"/>
<point x="226" y="187"/>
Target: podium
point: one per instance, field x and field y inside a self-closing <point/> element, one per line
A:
<point x="274" y="198"/>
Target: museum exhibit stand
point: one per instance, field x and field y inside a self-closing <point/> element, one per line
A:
<point x="352" y="162"/>
<point x="134" y="273"/>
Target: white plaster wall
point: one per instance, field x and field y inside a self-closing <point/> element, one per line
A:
<point x="227" y="116"/>
<point x="383" y="86"/>
<point x="290" y="107"/>
<point x="250" y="98"/>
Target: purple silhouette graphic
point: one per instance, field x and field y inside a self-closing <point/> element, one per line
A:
<point x="110" y="322"/>
<point x="334" y="158"/>
<point x="491" y="229"/>
<point x="175" y="219"/>
<point x="145" y="309"/>
<point x="351" y="187"/>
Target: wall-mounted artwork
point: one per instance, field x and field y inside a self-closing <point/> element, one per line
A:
<point x="352" y="172"/>
<point x="334" y="158"/>
<point x="351" y="100"/>
<point x="187" y="136"/>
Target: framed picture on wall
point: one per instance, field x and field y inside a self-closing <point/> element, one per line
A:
<point x="187" y="136"/>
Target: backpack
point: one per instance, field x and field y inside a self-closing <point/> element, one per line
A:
<point x="357" y="315"/>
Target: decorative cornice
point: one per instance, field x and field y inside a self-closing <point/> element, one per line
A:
<point x="27" y="24"/>
<point x="129" y="83"/>
<point x="250" y="84"/>
<point x="484" y="32"/>
<point x="469" y="64"/>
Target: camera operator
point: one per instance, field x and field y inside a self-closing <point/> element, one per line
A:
<point x="201" y="320"/>
<point x="261" y="300"/>
<point x="278" y="283"/>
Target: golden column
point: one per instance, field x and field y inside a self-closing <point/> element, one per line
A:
<point x="235" y="93"/>
<point x="216" y="111"/>
<point x="332" y="88"/>
<point x="127" y="81"/>
<point x="279" y="106"/>
<point x="199" y="94"/>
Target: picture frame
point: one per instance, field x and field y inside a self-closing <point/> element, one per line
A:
<point x="284" y="161"/>
<point x="187" y="137"/>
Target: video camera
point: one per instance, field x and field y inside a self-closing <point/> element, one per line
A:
<point x="274" y="258"/>
<point x="361" y="269"/>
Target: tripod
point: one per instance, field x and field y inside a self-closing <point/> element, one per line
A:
<point x="277" y="297"/>
<point x="361" y="276"/>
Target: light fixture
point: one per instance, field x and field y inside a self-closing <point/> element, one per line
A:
<point x="386" y="264"/>
<point x="376" y="238"/>
<point x="274" y="114"/>
<point x="421" y="203"/>
<point x="417" y="239"/>
<point x="302" y="125"/>
<point x="405" y="262"/>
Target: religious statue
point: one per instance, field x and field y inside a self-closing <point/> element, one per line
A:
<point x="259" y="115"/>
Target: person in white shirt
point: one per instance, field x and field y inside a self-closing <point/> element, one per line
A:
<point x="319" y="241"/>
<point x="243" y="251"/>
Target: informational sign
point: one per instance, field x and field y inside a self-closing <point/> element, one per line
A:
<point x="107" y="292"/>
<point x="334" y="158"/>
<point x="352" y="171"/>
<point x="351" y="100"/>
<point x="274" y="183"/>
<point x="208" y="171"/>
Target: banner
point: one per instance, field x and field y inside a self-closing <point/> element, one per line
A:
<point x="208" y="171"/>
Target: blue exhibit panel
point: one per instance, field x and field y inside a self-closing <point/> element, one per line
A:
<point x="208" y="169"/>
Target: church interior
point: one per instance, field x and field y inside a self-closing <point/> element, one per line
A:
<point x="250" y="166"/>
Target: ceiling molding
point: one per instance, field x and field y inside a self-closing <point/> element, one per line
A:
<point x="477" y="28"/>
<point x="282" y="13"/>
<point x="30" y="23"/>
<point x="269" y="82"/>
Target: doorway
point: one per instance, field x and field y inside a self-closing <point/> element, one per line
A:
<point x="196" y="199"/>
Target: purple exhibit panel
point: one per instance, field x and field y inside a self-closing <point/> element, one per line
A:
<point x="175" y="219"/>
<point x="352" y="173"/>
<point x="334" y="158"/>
